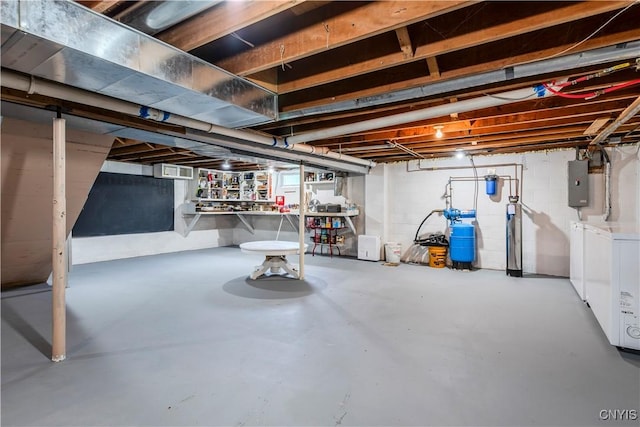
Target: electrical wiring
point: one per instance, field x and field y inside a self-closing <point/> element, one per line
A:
<point x="591" y="95"/>
<point x="600" y="73"/>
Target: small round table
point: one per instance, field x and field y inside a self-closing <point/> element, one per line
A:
<point x="275" y="253"/>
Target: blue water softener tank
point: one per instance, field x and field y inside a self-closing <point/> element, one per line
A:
<point x="462" y="245"/>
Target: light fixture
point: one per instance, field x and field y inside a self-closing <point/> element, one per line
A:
<point x="438" y="131"/>
<point x="459" y="153"/>
<point x="226" y="164"/>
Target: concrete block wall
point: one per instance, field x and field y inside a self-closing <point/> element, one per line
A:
<point x="397" y="200"/>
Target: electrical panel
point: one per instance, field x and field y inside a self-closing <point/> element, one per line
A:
<point x="578" y="183"/>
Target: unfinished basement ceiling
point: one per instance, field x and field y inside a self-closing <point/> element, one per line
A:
<point x="340" y="63"/>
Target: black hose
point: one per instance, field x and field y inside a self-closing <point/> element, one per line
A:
<point x="415" y="239"/>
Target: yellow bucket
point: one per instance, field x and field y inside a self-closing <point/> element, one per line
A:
<point x="437" y="256"/>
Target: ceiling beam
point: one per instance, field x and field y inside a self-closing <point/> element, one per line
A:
<point x="362" y="22"/>
<point x="572" y="12"/>
<point x="463" y="41"/>
<point x="222" y="20"/>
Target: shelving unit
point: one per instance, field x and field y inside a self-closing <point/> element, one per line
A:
<point x="325" y="233"/>
<point x="212" y="185"/>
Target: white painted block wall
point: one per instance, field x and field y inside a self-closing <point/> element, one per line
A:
<point x="397" y="200"/>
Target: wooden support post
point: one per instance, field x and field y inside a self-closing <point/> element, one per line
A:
<point x="58" y="342"/>
<point x="301" y="219"/>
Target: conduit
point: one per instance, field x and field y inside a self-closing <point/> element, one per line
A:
<point x="31" y="85"/>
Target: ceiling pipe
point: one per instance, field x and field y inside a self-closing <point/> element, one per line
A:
<point x="620" y="52"/>
<point x="624" y="116"/>
<point x="31" y="85"/>
<point x="486" y="101"/>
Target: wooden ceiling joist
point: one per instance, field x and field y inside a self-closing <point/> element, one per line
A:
<point x="365" y="21"/>
<point x="429" y="51"/>
<point x="222" y="20"/>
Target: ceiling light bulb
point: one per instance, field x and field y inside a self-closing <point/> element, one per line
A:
<point x="459" y="153"/>
<point x="226" y="165"/>
<point x="438" y="131"/>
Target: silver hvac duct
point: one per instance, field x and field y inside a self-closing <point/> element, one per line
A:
<point x="65" y="42"/>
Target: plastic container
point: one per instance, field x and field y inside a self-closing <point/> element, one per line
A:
<point x="392" y="252"/>
<point x="437" y="256"/>
<point x="462" y="242"/>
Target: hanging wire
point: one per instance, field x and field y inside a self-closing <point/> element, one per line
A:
<point x="594" y="33"/>
<point x="584" y="40"/>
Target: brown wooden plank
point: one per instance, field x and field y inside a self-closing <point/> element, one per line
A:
<point x="366" y="21"/>
<point x="221" y="20"/>
<point x="404" y="39"/>
<point x="461" y="42"/>
<point x="432" y="64"/>
<point x="572" y="12"/>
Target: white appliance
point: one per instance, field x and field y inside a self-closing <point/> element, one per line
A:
<point x="612" y="280"/>
<point x="576" y="258"/>
<point x="369" y="248"/>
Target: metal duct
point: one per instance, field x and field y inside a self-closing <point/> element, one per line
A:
<point x="65" y="42"/>
<point x="554" y="65"/>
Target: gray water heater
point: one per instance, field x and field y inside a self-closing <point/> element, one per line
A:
<point x="578" y="183"/>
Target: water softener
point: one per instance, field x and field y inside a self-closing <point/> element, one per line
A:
<point x="462" y="239"/>
<point x="514" y="238"/>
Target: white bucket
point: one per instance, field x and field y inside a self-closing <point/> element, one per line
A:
<point x="393" y="252"/>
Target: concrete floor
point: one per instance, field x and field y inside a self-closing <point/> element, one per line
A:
<point x="185" y="339"/>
